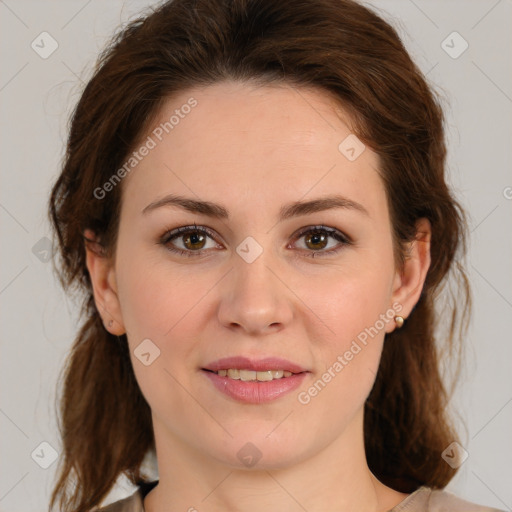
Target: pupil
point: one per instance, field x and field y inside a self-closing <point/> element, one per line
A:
<point x="195" y="238"/>
<point x="317" y="238"/>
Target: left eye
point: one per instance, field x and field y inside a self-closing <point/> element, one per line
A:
<point x="194" y="238"/>
<point x="319" y="235"/>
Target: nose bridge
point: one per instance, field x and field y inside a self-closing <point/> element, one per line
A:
<point x="256" y="298"/>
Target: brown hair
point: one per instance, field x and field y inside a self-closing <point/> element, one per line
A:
<point x="343" y="49"/>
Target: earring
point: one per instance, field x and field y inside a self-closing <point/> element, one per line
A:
<point x="110" y="323"/>
<point x="399" y="321"/>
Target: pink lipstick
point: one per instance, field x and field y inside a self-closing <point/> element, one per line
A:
<point x="255" y="381"/>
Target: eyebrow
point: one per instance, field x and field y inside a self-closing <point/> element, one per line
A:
<point x="287" y="211"/>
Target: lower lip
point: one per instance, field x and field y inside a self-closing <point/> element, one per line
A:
<point x="255" y="392"/>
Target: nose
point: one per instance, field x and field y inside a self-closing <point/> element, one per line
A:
<point x="255" y="298"/>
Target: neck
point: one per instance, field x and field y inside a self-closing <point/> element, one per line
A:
<point x="335" y="479"/>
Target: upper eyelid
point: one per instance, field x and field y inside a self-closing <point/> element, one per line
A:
<point x="321" y="227"/>
<point x="176" y="232"/>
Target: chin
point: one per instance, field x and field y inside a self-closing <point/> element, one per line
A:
<point x="254" y="451"/>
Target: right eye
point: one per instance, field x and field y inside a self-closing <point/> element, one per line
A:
<point x="193" y="236"/>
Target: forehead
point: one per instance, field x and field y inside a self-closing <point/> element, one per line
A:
<point x="241" y="140"/>
<point x="271" y="115"/>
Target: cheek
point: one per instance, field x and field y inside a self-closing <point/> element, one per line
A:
<point x="353" y="300"/>
<point x="159" y="305"/>
<point x="355" y="308"/>
<point x="357" y="323"/>
<point x="347" y="360"/>
<point x="155" y="297"/>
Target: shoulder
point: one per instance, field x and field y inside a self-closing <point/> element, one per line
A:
<point x="426" y="499"/>
<point x="446" y="501"/>
<point x="133" y="503"/>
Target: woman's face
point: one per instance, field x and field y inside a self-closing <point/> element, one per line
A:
<point x="262" y="283"/>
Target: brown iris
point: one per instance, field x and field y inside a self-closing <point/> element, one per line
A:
<point x="316" y="237"/>
<point x="195" y="238"/>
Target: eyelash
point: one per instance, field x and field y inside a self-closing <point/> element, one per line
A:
<point x="170" y="235"/>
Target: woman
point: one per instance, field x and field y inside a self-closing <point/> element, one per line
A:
<point x="254" y="204"/>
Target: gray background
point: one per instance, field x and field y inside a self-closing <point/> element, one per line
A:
<point x="39" y="322"/>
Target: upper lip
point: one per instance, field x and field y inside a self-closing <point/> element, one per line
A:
<point x="259" y="365"/>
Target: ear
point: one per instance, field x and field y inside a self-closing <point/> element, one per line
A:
<point x="103" y="279"/>
<point x="408" y="282"/>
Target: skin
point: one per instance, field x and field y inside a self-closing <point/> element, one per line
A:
<point x="253" y="149"/>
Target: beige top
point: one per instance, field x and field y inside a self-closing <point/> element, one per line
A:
<point x="422" y="500"/>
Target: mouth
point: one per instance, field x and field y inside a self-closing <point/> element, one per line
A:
<point x="253" y="375"/>
<point x="244" y="368"/>
<point x="254" y="381"/>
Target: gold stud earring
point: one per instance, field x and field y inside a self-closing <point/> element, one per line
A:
<point x="399" y="321"/>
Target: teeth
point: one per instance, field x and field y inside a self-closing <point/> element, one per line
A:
<point x="234" y="374"/>
<point x="246" y="375"/>
<point x="251" y="375"/>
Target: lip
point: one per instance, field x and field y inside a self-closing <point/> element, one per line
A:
<point x="255" y="392"/>
<point x="258" y="365"/>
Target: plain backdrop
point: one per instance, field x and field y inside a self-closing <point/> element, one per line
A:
<point x="38" y="322"/>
